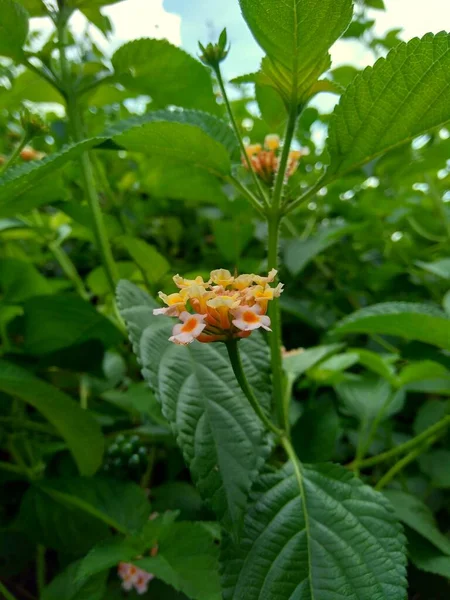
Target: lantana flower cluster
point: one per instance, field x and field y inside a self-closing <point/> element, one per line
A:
<point x="133" y="577"/>
<point x="222" y="308"/>
<point x="265" y="160"/>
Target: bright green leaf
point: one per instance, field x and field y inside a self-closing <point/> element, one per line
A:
<point x="404" y="319"/>
<point x="166" y="73"/>
<point x="316" y="532"/>
<point x="76" y="426"/>
<point x="20" y="280"/>
<point x="13" y="28"/>
<point x="35" y="8"/>
<point x="441" y="268"/>
<point x="232" y="237"/>
<point x="446" y="303"/>
<point x="200" y="397"/>
<point x="420" y="371"/>
<point x="298" y="362"/>
<point x="401" y="97"/>
<point x="148" y="259"/>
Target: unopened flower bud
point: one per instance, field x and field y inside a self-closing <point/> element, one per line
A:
<point x="213" y="54"/>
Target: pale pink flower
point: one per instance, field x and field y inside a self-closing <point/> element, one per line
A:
<point x="248" y="318"/>
<point x="190" y="328"/>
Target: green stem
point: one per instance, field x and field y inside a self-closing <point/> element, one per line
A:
<point x="74" y="117"/>
<point x="401" y="464"/>
<point x="256" y="181"/>
<point x="30" y="425"/>
<point x="15" y="155"/>
<point x="6" y="466"/>
<point x="40" y="569"/>
<point x="312" y="191"/>
<point x="236" y="363"/>
<point x="437" y="428"/>
<point x="275" y="338"/>
<point x="6" y="593"/>
<point x="43" y="73"/>
<point x="247" y="193"/>
<point x="281" y="173"/>
<point x="69" y="269"/>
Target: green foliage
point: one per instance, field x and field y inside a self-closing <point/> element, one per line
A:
<point x="404" y="319"/>
<point x="77" y="427"/>
<point x="398" y="99"/>
<point x="312" y="530"/>
<point x="13" y="29"/>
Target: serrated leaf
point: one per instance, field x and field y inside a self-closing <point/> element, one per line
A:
<point x="403" y="96"/>
<point x="13" y="28"/>
<point x="296" y="35"/>
<point x="408" y="320"/>
<point x="414" y="513"/>
<point x="221" y="439"/>
<point x="166" y="73"/>
<point x="316" y="533"/>
<point x="78" y="428"/>
<point x="56" y="322"/>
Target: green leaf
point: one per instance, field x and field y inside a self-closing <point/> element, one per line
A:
<point x="20" y="280"/>
<point x="441" y="268"/>
<point x="191" y="137"/>
<point x="122" y="505"/>
<point x="166" y="73"/>
<point x="148" y="259"/>
<point x="65" y="529"/>
<point x="271" y="105"/>
<point x="316" y="532"/>
<point x="221" y="439"/>
<point x="315" y="433"/>
<point x="408" y="320"/>
<point x="76" y="426"/>
<point x="13" y="29"/>
<point x="298" y="253"/>
<point x="56" y="322"/>
<point x="435" y="465"/>
<point x="297" y="363"/>
<point x="29" y="86"/>
<point x="35" y="8"/>
<point x="401" y="97"/>
<point x="67" y="586"/>
<point x="414" y="513"/>
<point x="430" y="413"/>
<point x="427" y="557"/>
<point x="365" y="397"/>
<point x="422" y="371"/>
<point x="296" y="35"/>
<point x="232" y="237"/>
<point x="187" y="559"/>
<point x="22" y="178"/>
<point x="446" y="303"/>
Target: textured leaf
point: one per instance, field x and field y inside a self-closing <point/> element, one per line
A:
<point x="166" y="73"/>
<point x="296" y="35"/>
<point x="13" y="28"/>
<point x="404" y="319"/>
<point x="221" y="439"/>
<point x="56" y="322"/>
<point x="120" y="504"/>
<point x="78" y="428"/>
<point x="414" y="513"/>
<point x="320" y="534"/>
<point x="401" y="97"/>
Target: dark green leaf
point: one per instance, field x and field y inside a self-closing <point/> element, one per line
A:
<point x="20" y="280"/>
<point x="202" y="401"/>
<point x="76" y="426"/>
<point x="315" y="433"/>
<point x="316" y="532"/>
<point x="427" y="557"/>
<point x="435" y="465"/>
<point x="404" y="319"/>
<point x="67" y="586"/>
<point x="55" y="322"/>
<point x="367" y="396"/>
<point x="401" y="97"/>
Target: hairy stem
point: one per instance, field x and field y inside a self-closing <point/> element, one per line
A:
<point x="247" y="193"/>
<point x="256" y="181"/>
<point x="236" y="363"/>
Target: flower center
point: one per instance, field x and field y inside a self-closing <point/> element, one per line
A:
<point x="189" y="326"/>
<point x="250" y="317"/>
